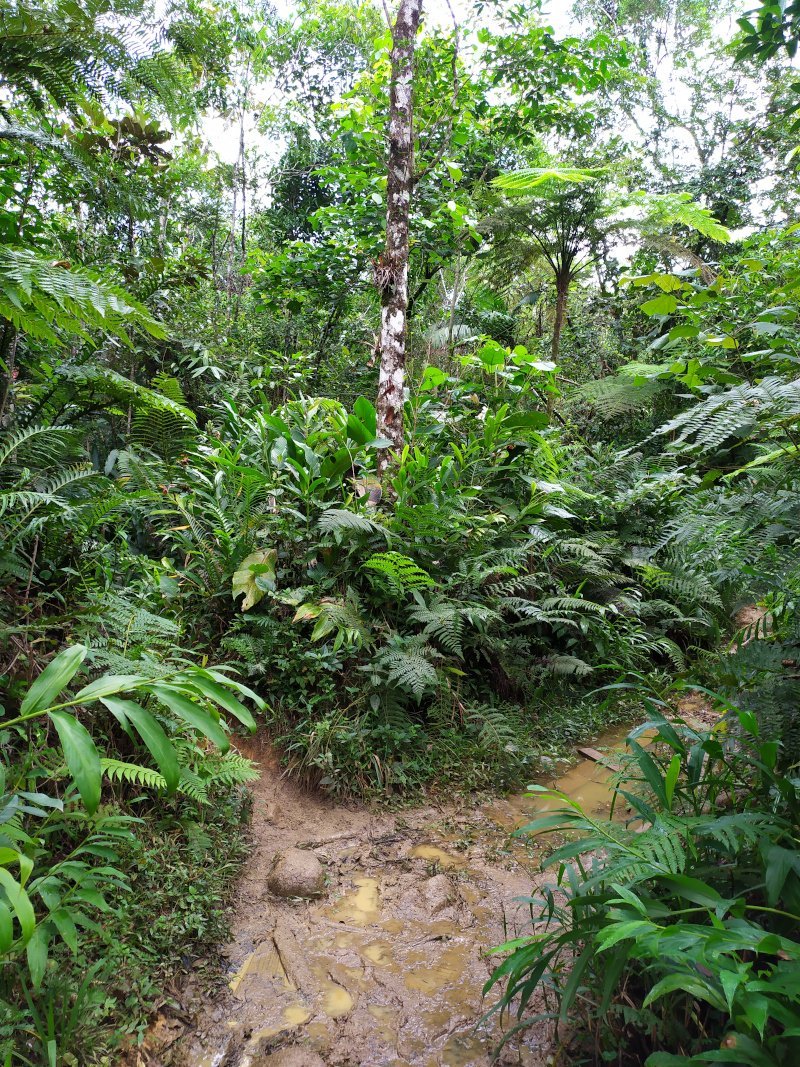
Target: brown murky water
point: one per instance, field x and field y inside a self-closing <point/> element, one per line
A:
<point x="388" y="968"/>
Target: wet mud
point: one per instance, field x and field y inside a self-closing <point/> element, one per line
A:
<point x="388" y="967"/>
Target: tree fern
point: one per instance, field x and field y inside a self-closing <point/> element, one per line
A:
<point x="69" y="54"/>
<point x="531" y="179"/>
<point x="39" y="444"/>
<point x="735" y="414"/>
<point x="621" y="394"/>
<point x="157" y="428"/>
<point x="445" y="621"/>
<point x="95" y="379"/>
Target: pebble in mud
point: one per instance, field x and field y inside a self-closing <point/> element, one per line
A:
<point x="296" y="873"/>
<point x="290" y="1057"/>
<point x="438" y="893"/>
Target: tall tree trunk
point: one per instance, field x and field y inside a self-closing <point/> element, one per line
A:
<point x="562" y="293"/>
<point x="563" y="279"/>
<point x="391" y="269"/>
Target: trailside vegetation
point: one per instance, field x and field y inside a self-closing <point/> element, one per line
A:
<point x="422" y="395"/>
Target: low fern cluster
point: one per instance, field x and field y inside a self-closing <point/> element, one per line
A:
<point x="443" y="598"/>
<point x="671" y="933"/>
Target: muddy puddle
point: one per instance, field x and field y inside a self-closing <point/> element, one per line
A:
<point x="387" y="968"/>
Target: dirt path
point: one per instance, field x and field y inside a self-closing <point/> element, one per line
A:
<point x="387" y="968"/>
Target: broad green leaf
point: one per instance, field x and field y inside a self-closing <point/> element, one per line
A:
<point x="240" y="687"/>
<point x="57" y="674"/>
<point x="63" y="922"/>
<point x="83" y="759"/>
<point x="629" y="897"/>
<point x="492" y="355"/>
<point x="432" y="378"/>
<point x="610" y="935"/>
<point x="694" y="889"/>
<point x="730" y="982"/>
<point x="660" y="305"/>
<point x="190" y="713"/>
<point x="336" y="465"/>
<point x="667" y="283"/>
<point x="307" y="612"/>
<point x="43" y="800"/>
<point x="779" y="863"/>
<point x="258" y="565"/>
<point x="671" y="778"/>
<point x="6" y="927"/>
<point x="357" y="431"/>
<point x="528" y="420"/>
<point x="366" y="415"/>
<point x="220" y="695"/>
<point x="685" y="983"/>
<point x="152" y="733"/>
<point x="650" y="770"/>
<point x="108" y="685"/>
<point x="36" y="951"/>
<point x="20" y="902"/>
<point x="766" y="328"/>
<point x="25" y="868"/>
<point x="756" y="1010"/>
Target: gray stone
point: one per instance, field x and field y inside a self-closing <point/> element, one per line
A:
<point x="291" y="1057"/>
<point x="296" y="873"/>
<point x="438" y="893"/>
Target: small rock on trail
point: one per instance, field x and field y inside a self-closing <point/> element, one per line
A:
<point x="291" y="1057"/>
<point x="438" y="893"/>
<point x="296" y="872"/>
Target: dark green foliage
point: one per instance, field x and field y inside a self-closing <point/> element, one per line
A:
<point x="190" y="472"/>
<point x="182" y="862"/>
<point x="672" y="933"/>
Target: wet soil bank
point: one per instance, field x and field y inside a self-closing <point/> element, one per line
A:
<point x="388" y="966"/>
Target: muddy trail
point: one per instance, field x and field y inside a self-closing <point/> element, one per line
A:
<point x="387" y="965"/>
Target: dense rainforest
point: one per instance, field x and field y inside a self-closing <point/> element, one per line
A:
<point x="416" y="387"/>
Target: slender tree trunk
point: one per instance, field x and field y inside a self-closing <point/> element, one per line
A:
<point x="391" y="270"/>
<point x="562" y="292"/>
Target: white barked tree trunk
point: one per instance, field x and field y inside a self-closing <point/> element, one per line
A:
<point x="391" y="270"/>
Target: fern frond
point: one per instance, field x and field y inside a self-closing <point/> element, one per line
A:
<point x="38" y="444"/>
<point x="132" y="773"/>
<point x="51" y="302"/>
<point x="497" y="732"/>
<point x="568" y="665"/>
<point x="401" y="572"/>
<point x="409" y="670"/>
<point x="337" y="521"/>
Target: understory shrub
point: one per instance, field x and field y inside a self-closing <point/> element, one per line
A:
<point x="669" y="935"/>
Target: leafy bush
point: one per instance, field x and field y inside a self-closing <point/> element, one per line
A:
<point x="671" y="935"/>
<point x="178" y="864"/>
